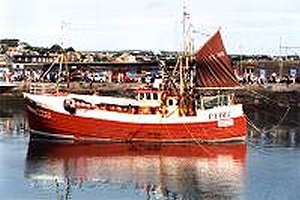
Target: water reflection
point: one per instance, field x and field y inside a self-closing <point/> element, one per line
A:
<point x="160" y="171"/>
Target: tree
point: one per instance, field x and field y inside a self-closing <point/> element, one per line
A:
<point x="70" y="49"/>
<point x="55" y="49"/>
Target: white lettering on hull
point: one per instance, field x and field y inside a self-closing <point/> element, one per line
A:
<point x="225" y="122"/>
<point x="39" y="112"/>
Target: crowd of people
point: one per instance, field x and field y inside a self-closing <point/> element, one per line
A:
<point x="35" y="75"/>
<point x="273" y="79"/>
<point x="80" y="75"/>
<point x="22" y="75"/>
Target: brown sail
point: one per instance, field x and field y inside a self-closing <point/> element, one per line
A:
<point x="213" y="65"/>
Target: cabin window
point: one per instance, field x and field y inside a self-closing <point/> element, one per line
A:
<point x="249" y="70"/>
<point x="223" y="100"/>
<point x="142" y="96"/>
<point x="155" y="96"/>
<point x="210" y="102"/>
<point x="148" y="96"/>
<point x="171" y="102"/>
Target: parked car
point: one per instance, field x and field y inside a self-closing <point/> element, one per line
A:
<point x="97" y="77"/>
<point x="131" y="77"/>
<point x="76" y="76"/>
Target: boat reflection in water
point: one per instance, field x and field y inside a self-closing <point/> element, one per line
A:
<point x="185" y="171"/>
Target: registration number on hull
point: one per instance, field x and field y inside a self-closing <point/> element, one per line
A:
<point x="225" y="122"/>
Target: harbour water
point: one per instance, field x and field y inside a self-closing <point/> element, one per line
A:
<point x="266" y="167"/>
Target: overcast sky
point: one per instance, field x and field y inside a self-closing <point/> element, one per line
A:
<point x="252" y="26"/>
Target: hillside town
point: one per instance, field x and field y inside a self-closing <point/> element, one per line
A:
<point x="19" y="61"/>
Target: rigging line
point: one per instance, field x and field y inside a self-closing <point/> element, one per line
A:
<point x="266" y="97"/>
<point x="264" y="111"/>
<point x="253" y="144"/>
<point x="232" y="131"/>
<point x="171" y="113"/>
<point x="184" y="124"/>
<point x="274" y="127"/>
<point x="264" y="140"/>
<point x="249" y="141"/>
<point x="257" y="129"/>
<point x="249" y="121"/>
<point x="169" y="133"/>
<point x="49" y="69"/>
<point x="176" y="66"/>
<point x="197" y="141"/>
<point x="172" y="79"/>
<point x="281" y="120"/>
<point x="258" y="93"/>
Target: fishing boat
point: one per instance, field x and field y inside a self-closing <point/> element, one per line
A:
<point x="194" y="103"/>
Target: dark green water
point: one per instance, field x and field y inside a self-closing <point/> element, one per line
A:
<point x="267" y="167"/>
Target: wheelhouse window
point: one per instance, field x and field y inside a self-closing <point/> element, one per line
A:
<point x="223" y="100"/>
<point x="148" y="96"/>
<point x="155" y="96"/>
<point x="210" y="102"/>
<point x="142" y="95"/>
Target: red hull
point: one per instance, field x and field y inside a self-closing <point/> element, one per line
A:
<point x="50" y="123"/>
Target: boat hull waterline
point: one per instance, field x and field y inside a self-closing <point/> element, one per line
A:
<point x="47" y="122"/>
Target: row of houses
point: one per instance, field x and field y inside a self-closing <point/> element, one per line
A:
<point x="18" y="55"/>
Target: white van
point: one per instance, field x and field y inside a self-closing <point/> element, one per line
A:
<point x="3" y="70"/>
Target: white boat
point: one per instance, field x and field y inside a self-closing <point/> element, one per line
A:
<point x="7" y="87"/>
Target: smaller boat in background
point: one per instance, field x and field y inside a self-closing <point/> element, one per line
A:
<point x="7" y="87"/>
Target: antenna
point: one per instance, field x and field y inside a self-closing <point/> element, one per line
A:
<point x="65" y="34"/>
<point x="65" y="43"/>
<point x="186" y="27"/>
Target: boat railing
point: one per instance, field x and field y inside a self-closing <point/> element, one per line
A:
<point x="43" y="88"/>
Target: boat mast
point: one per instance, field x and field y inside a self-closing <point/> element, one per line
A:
<point x="62" y="59"/>
<point x="186" y="105"/>
<point x="59" y="72"/>
<point x="186" y="46"/>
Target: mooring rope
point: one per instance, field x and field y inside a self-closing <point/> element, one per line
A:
<point x="288" y="107"/>
<point x="197" y="141"/>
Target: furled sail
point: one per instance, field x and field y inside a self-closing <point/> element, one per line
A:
<point x="213" y="65"/>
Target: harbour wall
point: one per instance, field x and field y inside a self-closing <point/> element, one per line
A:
<point x="280" y="94"/>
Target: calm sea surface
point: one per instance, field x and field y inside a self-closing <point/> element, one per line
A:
<point x="267" y="167"/>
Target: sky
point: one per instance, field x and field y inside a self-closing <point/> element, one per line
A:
<point x="247" y="27"/>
